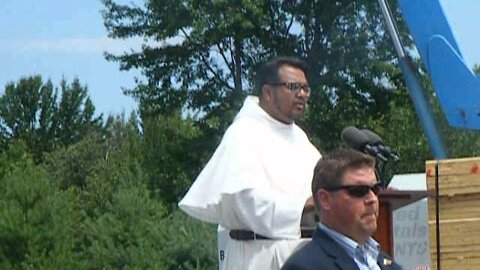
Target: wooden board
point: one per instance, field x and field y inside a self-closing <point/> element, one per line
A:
<point x="459" y="213"/>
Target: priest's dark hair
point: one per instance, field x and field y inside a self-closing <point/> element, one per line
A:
<point x="268" y="71"/>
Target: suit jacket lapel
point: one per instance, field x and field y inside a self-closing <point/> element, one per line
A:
<point x="385" y="262"/>
<point x="334" y="250"/>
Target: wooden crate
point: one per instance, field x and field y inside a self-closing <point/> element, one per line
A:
<point x="459" y="212"/>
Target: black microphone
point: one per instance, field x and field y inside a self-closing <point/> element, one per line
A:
<point x="358" y="140"/>
<point x="376" y="141"/>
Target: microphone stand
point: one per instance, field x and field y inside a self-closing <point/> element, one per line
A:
<point x="385" y="169"/>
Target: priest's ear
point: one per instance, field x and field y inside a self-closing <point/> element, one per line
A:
<point x="267" y="92"/>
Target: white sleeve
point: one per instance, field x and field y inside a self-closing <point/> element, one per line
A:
<point x="267" y="213"/>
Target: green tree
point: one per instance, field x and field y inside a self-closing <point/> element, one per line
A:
<point x="118" y="165"/>
<point x="124" y="138"/>
<point x="76" y="113"/>
<point x="27" y="111"/>
<point x="139" y="234"/>
<point x="125" y="225"/>
<point x="72" y="165"/>
<point x="38" y="224"/>
<point x="31" y="110"/>
<point x="169" y="147"/>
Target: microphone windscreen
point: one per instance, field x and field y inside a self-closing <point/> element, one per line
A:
<point x="354" y="138"/>
<point x="373" y="137"/>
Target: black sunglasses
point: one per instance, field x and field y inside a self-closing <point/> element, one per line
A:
<point x="293" y="86"/>
<point x="358" y="191"/>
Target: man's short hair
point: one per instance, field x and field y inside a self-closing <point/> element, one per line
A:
<point x="331" y="167"/>
<point x="268" y="71"/>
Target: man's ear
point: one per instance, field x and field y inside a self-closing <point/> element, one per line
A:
<point x="324" y="199"/>
<point x="267" y="92"/>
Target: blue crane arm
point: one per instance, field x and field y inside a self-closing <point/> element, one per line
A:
<point x="455" y="84"/>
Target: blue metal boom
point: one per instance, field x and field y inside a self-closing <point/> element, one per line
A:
<point x="417" y="94"/>
<point x="455" y="84"/>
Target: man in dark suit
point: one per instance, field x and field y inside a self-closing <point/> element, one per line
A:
<point x="345" y="191"/>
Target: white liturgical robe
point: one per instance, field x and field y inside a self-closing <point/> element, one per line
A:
<point x="258" y="179"/>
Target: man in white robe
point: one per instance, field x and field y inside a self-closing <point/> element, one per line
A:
<point x="258" y="180"/>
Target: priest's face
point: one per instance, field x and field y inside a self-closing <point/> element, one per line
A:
<point x="287" y="98"/>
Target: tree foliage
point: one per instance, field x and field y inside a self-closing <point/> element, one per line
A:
<point x="38" y="225"/>
<point x="88" y="206"/>
<point x="31" y="110"/>
<point x="169" y="155"/>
